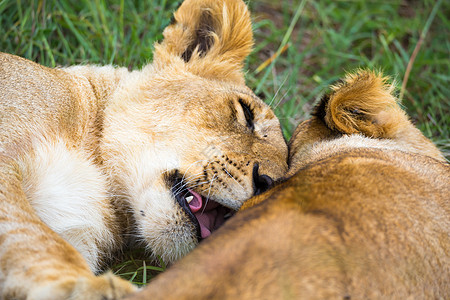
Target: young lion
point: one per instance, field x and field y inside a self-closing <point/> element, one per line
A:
<point x="366" y="215"/>
<point x="168" y="150"/>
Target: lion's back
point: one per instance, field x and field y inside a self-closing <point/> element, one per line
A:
<point x="390" y="211"/>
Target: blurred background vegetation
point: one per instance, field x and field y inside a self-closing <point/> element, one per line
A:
<point x="313" y="42"/>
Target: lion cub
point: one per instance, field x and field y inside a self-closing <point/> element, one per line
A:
<point x="365" y="215"/>
<point x="91" y="155"/>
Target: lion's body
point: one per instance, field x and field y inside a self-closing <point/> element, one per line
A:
<point x="90" y="155"/>
<point x="360" y="218"/>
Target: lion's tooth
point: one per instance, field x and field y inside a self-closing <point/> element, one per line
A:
<point x="189" y="199"/>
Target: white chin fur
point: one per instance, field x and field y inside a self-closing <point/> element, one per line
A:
<point x="161" y="223"/>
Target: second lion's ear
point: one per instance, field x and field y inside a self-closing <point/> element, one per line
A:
<point x="363" y="103"/>
<point x="212" y="37"/>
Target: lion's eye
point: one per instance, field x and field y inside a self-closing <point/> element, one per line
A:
<point x="248" y="113"/>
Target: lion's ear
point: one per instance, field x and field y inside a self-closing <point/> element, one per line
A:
<point x="362" y="102"/>
<point x="212" y="37"/>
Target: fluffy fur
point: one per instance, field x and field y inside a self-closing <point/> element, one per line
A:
<point x="364" y="215"/>
<point x="90" y="155"/>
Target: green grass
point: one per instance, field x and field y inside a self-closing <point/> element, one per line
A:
<point x="332" y="37"/>
<point x="137" y="267"/>
<point x="324" y="39"/>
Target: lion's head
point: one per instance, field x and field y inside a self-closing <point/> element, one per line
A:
<point x="184" y="139"/>
<point x="360" y="111"/>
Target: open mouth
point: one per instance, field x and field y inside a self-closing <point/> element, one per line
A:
<point x="207" y="215"/>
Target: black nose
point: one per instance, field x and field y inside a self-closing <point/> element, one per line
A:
<point x="261" y="183"/>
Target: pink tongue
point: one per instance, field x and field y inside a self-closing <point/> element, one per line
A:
<point x="196" y="203"/>
<point x="208" y="214"/>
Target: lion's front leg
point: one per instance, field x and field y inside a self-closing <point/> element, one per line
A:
<point x="38" y="207"/>
<point x="70" y="195"/>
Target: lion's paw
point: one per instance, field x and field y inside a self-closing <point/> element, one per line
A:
<point x="104" y="287"/>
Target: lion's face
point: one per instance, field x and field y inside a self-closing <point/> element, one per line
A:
<point x="186" y="140"/>
<point x="236" y="147"/>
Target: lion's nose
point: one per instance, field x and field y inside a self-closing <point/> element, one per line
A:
<point x="261" y="183"/>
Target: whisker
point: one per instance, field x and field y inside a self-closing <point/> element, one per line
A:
<point x="182" y="184"/>
<point x="189" y="179"/>
<point x="278" y="90"/>
<point x="226" y="171"/>
<point x="193" y="186"/>
<point x="209" y="192"/>
<point x="282" y="98"/>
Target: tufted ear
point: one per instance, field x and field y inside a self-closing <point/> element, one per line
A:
<point x="362" y="102"/>
<point x="212" y="37"/>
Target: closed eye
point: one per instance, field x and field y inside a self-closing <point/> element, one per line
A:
<point x="248" y="113"/>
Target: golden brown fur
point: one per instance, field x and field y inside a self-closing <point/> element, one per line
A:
<point x="91" y="156"/>
<point x="365" y="214"/>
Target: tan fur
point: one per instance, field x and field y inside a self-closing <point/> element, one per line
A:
<point x="88" y="154"/>
<point x="365" y="214"/>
